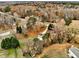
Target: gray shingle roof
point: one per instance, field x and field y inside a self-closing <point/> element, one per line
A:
<point x="75" y="51"/>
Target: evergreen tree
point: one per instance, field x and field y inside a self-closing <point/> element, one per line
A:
<point x="8" y="43"/>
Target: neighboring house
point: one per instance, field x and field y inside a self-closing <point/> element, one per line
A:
<point x="73" y="52"/>
<point x="5" y="33"/>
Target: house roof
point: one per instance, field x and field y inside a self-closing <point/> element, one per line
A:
<point x="75" y="51"/>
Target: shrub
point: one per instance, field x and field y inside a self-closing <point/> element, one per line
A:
<point x="68" y="20"/>
<point x="35" y="39"/>
<point x="27" y="54"/>
<point x="31" y="22"/>
<point x="8" y="43"/>
<point x="46" y="36"/>
<point x="19" y="29"/>
<point x="61" y="35"/>
<point x="44" y="19"/>
<point x="14" y="42"/>
<point x="45" y="56"/>
<point x="29" y="12"/>
<point x="38" y="46"/>
<point x="34" y="46"/>
<point x="5" y="44"/>
<point x="7" y="9"/>
<point x="50" y="27"/>
<point x="46" y="40"/>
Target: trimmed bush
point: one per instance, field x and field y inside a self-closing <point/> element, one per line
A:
<point x="8" y="43"/>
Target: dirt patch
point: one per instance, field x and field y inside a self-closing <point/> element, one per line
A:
<point x="21" y="36"/>
<point x="55" y="50"/>
<point x="36" y="30"/>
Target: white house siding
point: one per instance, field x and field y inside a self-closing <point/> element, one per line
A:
<point x="4" y="34"/>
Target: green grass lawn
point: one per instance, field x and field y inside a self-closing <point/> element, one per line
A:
<point x="11" y="53"/>
<point x="3" y="53"/>
<point x="19" y="53"/>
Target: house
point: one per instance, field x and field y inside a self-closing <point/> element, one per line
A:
<point x="73" y="52"/>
